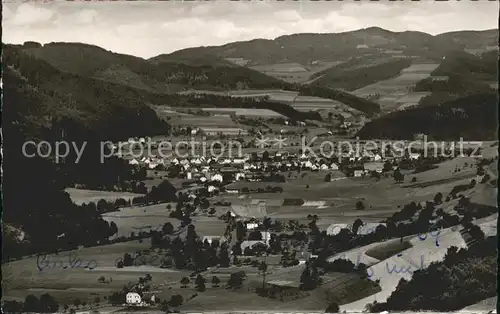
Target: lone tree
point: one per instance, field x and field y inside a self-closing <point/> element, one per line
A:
<point x="165" y="307"/>
<point x="31" y="304"/>
<point x="263" y="270"/>
<point x="309" y="278"/>
<point x="176" y="300"/>
<point x="48" y="304"/>
<point x="185" y="282"/>
<point x="438" y="198"/>
<point x="332" y="308"/>
<point x="215" y="281"/>
<point x="328" y="177"/>
<point x="200" y="283"/>
<point x="360" y="205"/>
<point x="236" y="279"/>
<point x="398" y="176"/>
<point x="357" y="223"/>
<point x="168" y="228"/>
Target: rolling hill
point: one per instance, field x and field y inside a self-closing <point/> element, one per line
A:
<point x="42" y="95"/>
<point x="166" y="74"/>
<point x="163" y="77"/>
<point x="353" y="60"/>
<point x="312" y="52"/>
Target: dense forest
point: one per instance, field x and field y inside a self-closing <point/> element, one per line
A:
<point x="473" y="118"/>
<point x="42" y="103"/>
<point x="466" y="75"/>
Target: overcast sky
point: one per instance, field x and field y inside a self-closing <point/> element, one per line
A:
<point x="147" y="29"/>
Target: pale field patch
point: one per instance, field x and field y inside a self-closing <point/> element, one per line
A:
<point x="392" y="90"/>
<point x="80" y="196"/>
<point x="245" y="112"/>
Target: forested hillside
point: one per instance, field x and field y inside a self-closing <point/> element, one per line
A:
<point x="461" y="74"/>
<point x="472" y="117"/>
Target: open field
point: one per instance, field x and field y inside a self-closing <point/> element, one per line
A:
<point x="80" y="196"/>
<point x="145" y="218"/>
<point x="289" y="72"/>
<point x="395" y="92"/>
<point x="245" y="112"/>
<point x="294" y="72"/>
<point x="65" y="285"/>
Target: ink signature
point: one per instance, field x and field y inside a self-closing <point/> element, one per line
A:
<point x="43" y="261"/>
<point x="402" y="270"/>
<point x="423" y="236"/>
<point x="394" y="269"/>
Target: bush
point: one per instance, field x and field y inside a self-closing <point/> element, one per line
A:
<point x="360" y="205"/>
<point x="176" y="300"/>
<point x="333" y="308"/>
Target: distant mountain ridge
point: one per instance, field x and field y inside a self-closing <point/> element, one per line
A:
<point x="355" y="59"/>
<point x="307" y="47"/>
<point x="338" y="64"/>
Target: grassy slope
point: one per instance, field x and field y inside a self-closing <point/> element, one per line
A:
<point x="352" y="79"/>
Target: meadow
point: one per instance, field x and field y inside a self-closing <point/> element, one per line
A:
<point x="396" y="92"/>
<point x="80" y="196"/>
<point x="245" y="112"/>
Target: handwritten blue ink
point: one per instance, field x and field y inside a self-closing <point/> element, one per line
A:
<point x="436" y="235"/>
<point x="43" y="262"/>
<point x="371" y="272"/>
<point x="408" y="270"/>
<point x="394" y="270"/>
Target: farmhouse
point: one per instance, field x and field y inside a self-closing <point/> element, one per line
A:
<point x="252" y="225"/>
<point x="253" y="247"/>
<point x="374" y="166"/>
<point x="368" y="228"/>
<point x="334" y="229"/>
<point x="210" y="239"/>
<point x="358" y="173"/>
<point x="133" y="298"/>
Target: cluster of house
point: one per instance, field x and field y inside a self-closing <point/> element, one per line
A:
<point x="149" y="162"/>
<point x="253" y="168"/>
<point x="235" y="169"/>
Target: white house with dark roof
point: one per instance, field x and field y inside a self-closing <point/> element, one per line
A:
<point x="334" y="229"/>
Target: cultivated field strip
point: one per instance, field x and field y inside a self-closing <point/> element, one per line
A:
<point x="396" y="92"/>
<point x="266" y="113"/>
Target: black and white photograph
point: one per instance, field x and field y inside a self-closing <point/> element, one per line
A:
<point x="249" y="156"/>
